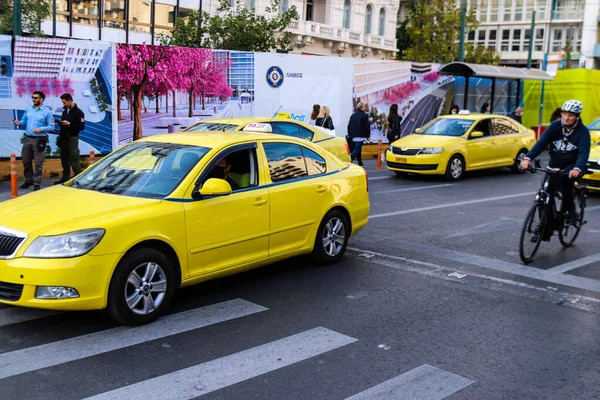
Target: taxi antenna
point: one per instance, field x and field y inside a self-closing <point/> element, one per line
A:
<point x="274" y="115"/>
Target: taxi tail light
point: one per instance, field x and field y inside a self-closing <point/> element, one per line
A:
<point x="367" y="180"/>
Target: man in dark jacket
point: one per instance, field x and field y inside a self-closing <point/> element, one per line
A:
<point x="359" y="129"/>
<point x="71" y="123"/>
<point x="569" y="142"/>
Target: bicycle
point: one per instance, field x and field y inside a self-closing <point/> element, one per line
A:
<point x="549" y="218"/>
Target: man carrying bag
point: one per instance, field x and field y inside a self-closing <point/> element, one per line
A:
<point x="71" y="123"/>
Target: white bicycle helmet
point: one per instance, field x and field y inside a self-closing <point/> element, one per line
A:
<point x="572" y="106"/>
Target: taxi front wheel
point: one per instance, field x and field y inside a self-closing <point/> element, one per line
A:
<point x="332" y="238"/>
<point x="141" y="288"/>
<point x="455" y="168"/>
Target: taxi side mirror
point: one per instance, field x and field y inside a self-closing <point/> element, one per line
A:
<point x="476" y="134"/>
<point x="213" y="187"/>
<point x="417" y="130"/>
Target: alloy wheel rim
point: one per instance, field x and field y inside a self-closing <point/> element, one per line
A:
<point x="334" y="236"/>
<point x="456" y="168"/>
<point x="146" y="288"/>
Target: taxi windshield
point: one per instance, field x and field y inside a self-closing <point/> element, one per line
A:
<point x="145" y="169"/>
<point x="211" y="127"/>
<point x="447" y="127"/>
<point x="595" y="125"/>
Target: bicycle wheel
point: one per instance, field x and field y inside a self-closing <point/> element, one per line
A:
<point x="531" y="234"/>
<point x="568" y="233"/>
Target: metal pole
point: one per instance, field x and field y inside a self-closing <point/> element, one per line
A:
<point x="545" y="65"/>
<point x="466" y="96"/>
<point x="531" y="35"/>
<point x="53" y="18"/>
<point x="17" y="11"/>
<point x="493" y="95"/>
<point x="463" y="17"/>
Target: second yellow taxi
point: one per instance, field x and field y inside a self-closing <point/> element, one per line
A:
<point x="452" y="144"/>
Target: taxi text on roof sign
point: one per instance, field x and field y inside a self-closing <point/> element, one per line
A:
<point x="283" y="115"/>
<point x="258" y="127"/>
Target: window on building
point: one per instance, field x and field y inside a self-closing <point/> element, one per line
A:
<point x="368" y="18"/>
<point x="250" y="5"/>
<point x="139" y="15"/>
<point x="162" y="24"/>
<point x="518" y="10"/>
<point x="62" y="10"/>
<point x="347" y="9"/>
<point x="471" y="36"/>
<point x="507" y="11"/>
<point x="283" y="6"/>
<point x="114" y="14"/>
<point x="557" y="39"/>
<point x="482" y="10"/>
<point x="481" y="36"/>
<point x="505" y="34"/>
<point x="85" y="12"/>
<point x="309" y="10"/>
<point x="382" y="22"/>
<point x="494" y="9"/>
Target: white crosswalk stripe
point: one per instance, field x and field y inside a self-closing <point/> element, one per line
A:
<point x="424" y="383"/>
<point x="220" y="373"/>
<point x="14" y="315"/>
<point x="48" y="355"/>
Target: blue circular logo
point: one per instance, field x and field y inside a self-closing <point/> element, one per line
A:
<point x="274" y="77"/>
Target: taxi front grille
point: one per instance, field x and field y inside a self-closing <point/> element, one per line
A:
<point x="594" y="165"/>
<point x="9" y="244"/>
<point x="407" y="152"/>
<point x="413" y="167"/>
<point x="10" y="291"/>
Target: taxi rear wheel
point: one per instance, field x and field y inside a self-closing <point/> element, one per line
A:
<point x="455" y="168"/>
<point x="141" y="288"/>
<point x="332" y="238"/>
<point x="516" y="168"/>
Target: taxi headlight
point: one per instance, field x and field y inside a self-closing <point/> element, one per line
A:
<point x="431" y="150"/>
<point x="70" y="244"/>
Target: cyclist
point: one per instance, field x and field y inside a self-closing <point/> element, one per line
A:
<point x="569" y="142"/>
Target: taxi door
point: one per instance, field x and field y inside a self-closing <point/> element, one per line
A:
<point x="300" y="195"/>
<point x="507" y="140"/>
<point x="480" y="151"/>
<point x="231" y="230"/>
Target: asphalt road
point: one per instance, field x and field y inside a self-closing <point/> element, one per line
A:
<point x="430" y="302"/>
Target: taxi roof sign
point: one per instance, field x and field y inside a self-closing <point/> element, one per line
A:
<point x="258" y="127"/>
<point x="464" y="112"/>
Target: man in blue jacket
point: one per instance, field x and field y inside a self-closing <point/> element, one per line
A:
<point x="569" y="142"/>
<point x="359" y="129"/>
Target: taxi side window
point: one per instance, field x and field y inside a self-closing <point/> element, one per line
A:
<point x="483" y="126"/>
<point x="285" y="129"/>
<point x="237" y="168"/>
<point x="315" y="164"/>
<point x="305" y="133"/>
<point x="286" y="161"/>
<point x="503" y="127"/>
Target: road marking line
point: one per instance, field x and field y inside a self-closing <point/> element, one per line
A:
<point x="458" y="204"/>
<point x="51" y="354"/>
<point x="381" y="177"/>
<point x="562" y="268"/>
<point x="498" y="265"/>
<point x="213" y="375"/>
<point x="424" y="383"/>
<point x="408" y="189"/>
<point x="14" y="315"/>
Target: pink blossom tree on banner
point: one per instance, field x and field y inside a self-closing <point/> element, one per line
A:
<point x="191" y="68"/>
<point x="137" y="65"/>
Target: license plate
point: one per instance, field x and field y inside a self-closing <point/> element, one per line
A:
<point x="400" y="159"/>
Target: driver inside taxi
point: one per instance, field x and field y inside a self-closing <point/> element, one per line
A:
<point x="221" y="171"/>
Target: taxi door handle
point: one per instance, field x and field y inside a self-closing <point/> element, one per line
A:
<point x="260" y="202"/>
<point x="321" y="188"/>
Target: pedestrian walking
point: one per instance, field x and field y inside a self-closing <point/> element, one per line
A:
<point x="324" y="119"/>
<point x="71" y="123"/>
<point x="517" y="114"/>
<point x="315" y="113"/>
<point x="394" y="124"/>
<point x="37" y="120"/>
<point x="485" y="108"/>
<point x="454" y="109"/>
<point x="359" y="129"/>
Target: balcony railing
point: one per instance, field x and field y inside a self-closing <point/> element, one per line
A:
<point x="324" y="31"/>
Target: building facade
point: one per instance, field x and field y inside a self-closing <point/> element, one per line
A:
<point x="348" y="28"/>
<point x="505" y="26"/>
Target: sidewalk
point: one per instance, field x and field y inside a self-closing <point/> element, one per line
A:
<point x="5" y="188"/>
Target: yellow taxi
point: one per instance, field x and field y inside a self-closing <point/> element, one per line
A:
<point x="452" y="144"/>
<point x="594" y="128"/>
<point x="280" y="126"/>
<point x="175" y="210"/>
<point x="592" y="178"/>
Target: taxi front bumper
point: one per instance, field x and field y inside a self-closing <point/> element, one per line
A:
<point x="426" y="164"/>
<point x="89" y="275"/>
